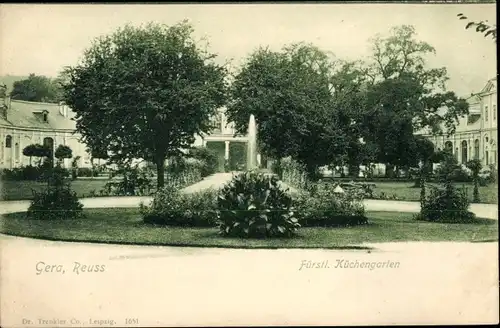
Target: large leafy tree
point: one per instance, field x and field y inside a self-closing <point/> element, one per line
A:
<point x="37" y="88"/>
<point x="145" y="93"/>
<point x="404" y="96"/>
<point x="290" y="95"/>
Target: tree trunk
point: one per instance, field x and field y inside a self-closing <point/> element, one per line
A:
<point x="278" y="168"/>
<point x="389" y="171"/>
<point x="160" y="170"/>
<point x="354" y="170"/>
<point x="476" y="198"/>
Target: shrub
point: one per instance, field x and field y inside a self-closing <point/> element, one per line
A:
<point x="487" y="175"/>
<point x="135" y="181"/>
<point x="326" y="208"/>
<point x="447" y="204"/>
<point x="208" y="158"/>
<point x="58" y="201"/>
<point x="170" y="207"/>
<point x="86" y="172"/>
<point x="63" y="152"/>
<point x="254" y="205"/>
<point x="29" y="172"/>
<point x="294" y="174"/>
<point x="449" y="169"/>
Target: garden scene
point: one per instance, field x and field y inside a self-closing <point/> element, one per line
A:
<point x="144" y="93"/>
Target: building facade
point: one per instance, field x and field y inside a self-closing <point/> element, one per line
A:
<point x="23" y="123"/>
<point x="232" y="149"/>
<point x="476" y="133"/>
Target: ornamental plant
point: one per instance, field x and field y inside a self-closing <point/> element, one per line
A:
<point x="254" y="205"/>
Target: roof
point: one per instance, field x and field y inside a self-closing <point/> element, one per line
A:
<point x="21" y="114"/>
<point x="490" y="86"/>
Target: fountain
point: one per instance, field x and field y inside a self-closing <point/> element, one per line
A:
<point x="252" y="144"/>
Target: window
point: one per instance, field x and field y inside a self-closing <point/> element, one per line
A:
<point x="17" y="152"/>
<point x="448" y="146"/>
<point x="487" y="158"/>
<point x="8" y="142"/>
<point x="486" y="113"/>
<point x="217" y="123"/>
<point x="45" y="117"/>
<point x="494" y="112"/>
<point x="476" y="149"/>
<point x="464" y="152"/>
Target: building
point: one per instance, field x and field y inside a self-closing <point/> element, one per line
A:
<point x="23" y="123"/>
<point x="232" y="149"/>
<point x="476" y="134"/>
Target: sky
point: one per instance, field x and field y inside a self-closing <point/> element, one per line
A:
<point x="43" y="38"/>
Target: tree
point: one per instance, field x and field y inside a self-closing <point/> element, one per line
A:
<point x="424" y="154"/>
<point x="30" y="151"/>
<point x="208" y="157"/>
<point x="37" y="150"/>
<point x="63" y="152"/>
<point x="290" y="95"/>
<point x="36" y="88"/>
<point x="260" y="89"/>
<point x="482" y="27"/>
<point x="145" y="92"/>
<point x="403" y="96"/>
<point x="475" y="166"/>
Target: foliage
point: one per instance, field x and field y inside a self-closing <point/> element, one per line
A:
<point x="404" y="96"/>
<point x="449" y="169"/>
<point x="293" y="173"/>
<point x="63" y="152"/>
<point x="324" y="207"/>
<point x="30" y="151"/>
<point x="134" y="182"/>
<point x="86" y="172"/>
<point x="323" y="111"/>
<point x="61" y="203"/>
<point x="170" y="207"/>
<point x="37" y="150"/>
<point x="58" y="201"/>
<point x="475" y="166"/>
<point x="74" y="167"/>
<point x="482" y="27"/>
<point x="237" y="156"/>
<point x="209" y="159"/>
<point x="145" y="93"/>
<point x="22" y="173"/>
<point x="36" y="88"/>
<point x="254" y="205"/>
<point x="181" y="166"/>
<point x="289" y="93"/>
<point x="488" y="175"/>
<point x="446" y="204"/>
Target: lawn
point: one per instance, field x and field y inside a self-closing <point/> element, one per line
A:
<point x="405" y="191"/>
<point x="124" y="225"/>
<point x="19" y="190"/>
